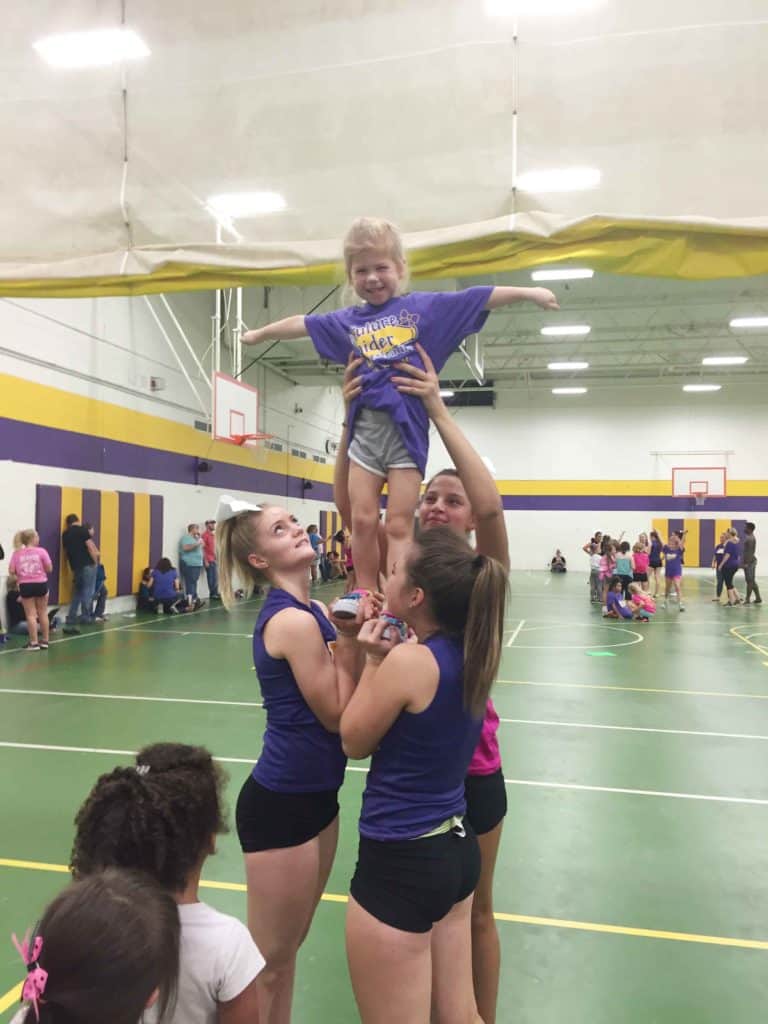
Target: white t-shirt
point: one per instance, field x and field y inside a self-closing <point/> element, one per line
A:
<point x="218" y="960"/>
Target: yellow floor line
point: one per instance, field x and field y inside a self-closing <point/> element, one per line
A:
<point x="638" y="689"/>
<point x="11" y="997"/>
<point x="546" y="922"/>
<point x="734" y="631"/>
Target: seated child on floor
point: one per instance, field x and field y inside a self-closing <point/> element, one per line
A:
<point x="642" y="604"/>
<point x="615" y="605"/>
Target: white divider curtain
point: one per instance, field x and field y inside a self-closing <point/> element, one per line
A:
<point x="400" y="108"/>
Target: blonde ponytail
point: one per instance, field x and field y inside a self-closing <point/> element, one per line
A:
<point x="484" y="632"/>
<point x="235" y="541"/>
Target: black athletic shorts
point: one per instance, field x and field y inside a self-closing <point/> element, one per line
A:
<point x="640" y="577"/>
<point x="268" y="820"/>
<point x="486" y="801"/>
<point x="729" y="571"/>
<point x="33" y="589"/>
<point x="411" y="884"/>
<point x="654" y="565"/>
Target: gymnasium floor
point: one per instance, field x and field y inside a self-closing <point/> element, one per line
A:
<point x="633" y="877"/>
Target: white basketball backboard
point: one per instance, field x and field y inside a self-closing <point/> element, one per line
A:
<point x="235" y="408"/>
<point x="689" y="481"/>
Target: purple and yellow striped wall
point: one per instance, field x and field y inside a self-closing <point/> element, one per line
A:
<point x="703" y="535"/>
<point x="329" y="523"/>
<point x="128" y="531"/>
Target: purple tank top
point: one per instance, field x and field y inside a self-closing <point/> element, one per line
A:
<point x="416" y="778"/>
<point x="299" y="755"/>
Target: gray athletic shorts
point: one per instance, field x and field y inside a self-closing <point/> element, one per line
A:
<point x="377" y="445"/>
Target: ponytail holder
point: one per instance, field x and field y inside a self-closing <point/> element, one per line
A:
<point x="478" y="562"/>
<point x="34" y="984"/>
<point x="230" y="507"/>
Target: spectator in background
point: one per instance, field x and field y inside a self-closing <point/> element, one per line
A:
<point x="209" y="559"/>
<point x="558" y="562"/>
<point x="31" y="565"/>
<point x="729" y="566"/>
<point x="83" y="557"/>
<point x="145" y="599"/>
<point x="3" y="637"/>
<point x="317" y="546"/>
<point x="166" y="589"/>
<point x="750" y="563"/>
<point x="192" y="563"/>
<point x="100" y="592"/>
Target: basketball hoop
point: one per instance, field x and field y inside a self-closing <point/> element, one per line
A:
<point x="242" y="439"/>
<point x="699" y="498"/>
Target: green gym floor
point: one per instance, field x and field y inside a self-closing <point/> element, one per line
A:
<point x="632" y="882"/>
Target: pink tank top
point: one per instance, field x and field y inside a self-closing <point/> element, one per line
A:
<point x="487" y="757"/>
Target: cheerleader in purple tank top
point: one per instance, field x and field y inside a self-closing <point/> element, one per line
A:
<point x="287" y="810"/>
<point x="418" y="712"/>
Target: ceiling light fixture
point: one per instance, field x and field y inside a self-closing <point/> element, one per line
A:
<point x="567" y="179"/>
<point x="566" y="330"/>
<point x="724" y="360"/>
<point x="91" y="49"/>
<point x="446" y="393"/>
<point x="568" y="366"/>
<point x="749" y="321"/>
<point x="232" y="205"/>
<point x="569" y="391"/>
<point x="571" y="274"/>
<point x="702" y="387"/>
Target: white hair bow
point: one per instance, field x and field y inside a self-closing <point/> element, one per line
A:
<point x="230" y="507"/>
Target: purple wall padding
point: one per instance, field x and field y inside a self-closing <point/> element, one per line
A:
<point x="155" y="528"/>
<point x="125" y="543"/>
<point x="92" y="513"/>
<point x="48" y="526"/>
<point x="706" y="541"/>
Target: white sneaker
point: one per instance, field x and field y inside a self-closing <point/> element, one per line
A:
<point x="347" y="605"/>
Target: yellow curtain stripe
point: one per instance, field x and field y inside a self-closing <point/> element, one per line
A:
<point x="141" y="518"/>
<point x="692" y="542"/>
<point x="71" y="502"/>
<point x="109" y="537"/>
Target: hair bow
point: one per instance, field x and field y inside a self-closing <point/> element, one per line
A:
<point x="34" y="984"/>
<point x="230" y="507"/>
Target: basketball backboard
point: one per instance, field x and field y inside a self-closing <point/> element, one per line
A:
<point x="699" y="482"/>
<point x="235" y="409"/>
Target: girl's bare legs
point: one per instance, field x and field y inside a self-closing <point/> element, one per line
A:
<point x="486" y="949"/>
<point x="453" y="999"/>
<point x="391" y="970"/>
<point x="284" y="888"/>
<point x="30" y="613"/>
<point x="403" y="487"/>
<point x="41" y="610"/>
<point x="364" y="495"/>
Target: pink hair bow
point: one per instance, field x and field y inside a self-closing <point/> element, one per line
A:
<point x="34" y="985"/>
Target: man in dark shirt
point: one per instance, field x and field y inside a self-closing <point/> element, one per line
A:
<point x="750" y="563"/>
<point x="82" y="555"/>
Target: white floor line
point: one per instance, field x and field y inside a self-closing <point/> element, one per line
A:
<point x="516" y="633"/>
<point x="136" y="627"/>
<point x="354" y="768"/>
<point x="636" y="689"/>
<point x="126" y="696"/>
<point x="190" y="632"/>
<point x="631" y="728"/>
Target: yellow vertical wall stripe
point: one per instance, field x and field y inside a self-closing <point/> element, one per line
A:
<point x="71" y="501"/>
<point x="721" y="525"/>
<point x="661" y="526"/>
<point x="141" y="519"/>
<point x="108" y="538"/>
<point x="692" y="543"/>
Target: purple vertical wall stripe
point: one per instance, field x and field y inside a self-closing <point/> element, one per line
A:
<point x="92" y="512"/>
<point x="125" y="543"/>
<point x="155" y="528"/>
<point x="48" y="526"/>
<point x="738" y="525"/>
<point x="706" y="541"/>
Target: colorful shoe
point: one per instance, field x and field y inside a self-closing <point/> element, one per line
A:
<point x="395" y="626"/>
<point x="347" y="605"/>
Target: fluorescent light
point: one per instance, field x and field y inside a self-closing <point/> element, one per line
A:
<point x="446" y="393"/>
<point x="572" y="274"/>
<point x="91" y="49"/>
<point x="724" y="360"/>
<point x="568" y="366"/>
<point x="749" y="321"/>
<point x="702" y="387"/>
<point x="566" y="329"/>
<point x="568" y="179"/>
<point x="569" y="391"/>
<point x="231" y="205"/>
<point x="509" y="8"/>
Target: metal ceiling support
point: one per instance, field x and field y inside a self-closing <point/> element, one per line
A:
<point x="205" y="408"/>
<point x="185" y="339"/>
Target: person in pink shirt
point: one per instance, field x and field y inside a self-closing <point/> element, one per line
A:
<point x="209" y="559"/>
<point x="640" y="559"/>
<point x="31" y="565"/>
<point x="641" y="603"/>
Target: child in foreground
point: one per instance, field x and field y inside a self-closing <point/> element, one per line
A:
<point x="389" y="428"/>
<point x="162" y="818"/>
<point x="105" y="949"/>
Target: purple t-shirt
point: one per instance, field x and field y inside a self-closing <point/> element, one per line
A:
<point x="385" y="334"/>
